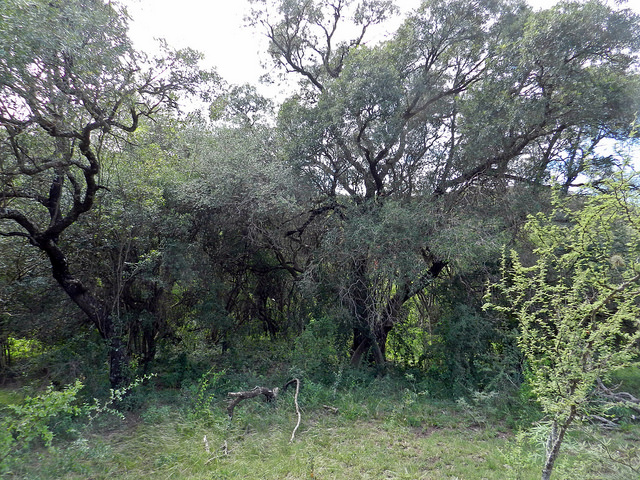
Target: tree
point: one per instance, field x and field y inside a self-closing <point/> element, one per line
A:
<point x="71" y="87"/>
<point x="578" y="304"/>
<point x="402" y="140"/>
<point x="239" y="204"/>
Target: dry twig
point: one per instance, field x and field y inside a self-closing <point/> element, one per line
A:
<point x="295" y="399"/>
<point x="270" y="395"/>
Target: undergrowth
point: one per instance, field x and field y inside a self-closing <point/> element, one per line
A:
<point x="354" y="426"/>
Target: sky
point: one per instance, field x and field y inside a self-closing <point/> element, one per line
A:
<point x="215" y="28"/>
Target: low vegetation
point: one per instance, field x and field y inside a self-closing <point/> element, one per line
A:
<point x="359" y="426"/>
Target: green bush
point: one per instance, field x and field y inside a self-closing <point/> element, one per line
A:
<point x="319" y="352"/>
<point x="31" y="420"/>
<point x="53" y="413"/>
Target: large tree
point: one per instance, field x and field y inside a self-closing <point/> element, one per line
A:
<point x="404" y="138"/>
<point x="71" y="87"/>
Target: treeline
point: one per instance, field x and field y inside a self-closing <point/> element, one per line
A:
<point x="360" y="221"/>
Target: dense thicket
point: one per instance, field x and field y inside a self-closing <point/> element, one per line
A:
<point x="359" y="223"/>
<point x="70" y="85"/>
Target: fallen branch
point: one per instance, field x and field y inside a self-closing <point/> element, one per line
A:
<point x="237" y="397"/>
<point x="623" y="398"/>
<point x="269" y="395"/>
<point x="603" y="422"/>
<point x="331" y="409"/>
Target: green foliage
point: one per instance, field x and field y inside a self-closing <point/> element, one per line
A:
<point x="578" y="304"/>
<point x="320" y="350"/>
<point x="627" y="380"/>
<point x="72" y="87"/>
<point x="394" y="140"/>
<point x="458" y="347"/>
<point x="204" y="396"/>
<point x="590" y="454"/>
<point x="376" y="204"/>
<point x="116" y="401"/>
<point x="30" y="420"/>
<point x="384" y="426"/>
<point x="41" y="417"/>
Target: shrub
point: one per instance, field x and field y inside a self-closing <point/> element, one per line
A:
<point x="30" y="421"/>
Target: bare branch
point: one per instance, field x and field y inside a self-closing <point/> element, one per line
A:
<point x="269" y="394"/>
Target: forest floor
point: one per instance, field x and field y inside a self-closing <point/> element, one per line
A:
<point x="379" y="435"/>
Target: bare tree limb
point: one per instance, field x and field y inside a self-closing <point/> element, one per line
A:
<point x="295" y="399"/>
<point x="270" y="395"/>
<point x="624" y="398"/>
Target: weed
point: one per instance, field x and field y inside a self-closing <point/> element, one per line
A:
<point x="29" y="421"/>
<point x="205" y="394"/>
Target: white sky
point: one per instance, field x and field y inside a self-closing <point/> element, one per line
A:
<point x="215" y="28"/>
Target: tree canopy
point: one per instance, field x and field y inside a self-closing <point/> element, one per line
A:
<point x="70" y="85"/>
<point x="467" y="100"/>
<point x="373" y="202"/>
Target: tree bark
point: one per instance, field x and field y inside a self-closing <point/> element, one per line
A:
<point x="371" y="334"/>
<point x="372" y="340"/>
<point x="556" y="436"/>
<point x="237" y="397"/>
<point x="95" y="310"/>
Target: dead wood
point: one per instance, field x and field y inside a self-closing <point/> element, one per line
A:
<point x="331" y="409"/>
<point x="269" y="395"/>
<point x="610" y="396"/>
<point x="295" y="399"/>
<point x="291" y="382"/>
<point x="603" y="422"/>
<point x="236" y="397"/>
<point x="623" y="398"/>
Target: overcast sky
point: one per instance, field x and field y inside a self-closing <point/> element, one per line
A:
<point x="215" y="28"/>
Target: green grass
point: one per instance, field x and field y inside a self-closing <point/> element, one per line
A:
<point x="384" y="428"/>
<point x="627" y="380"/>
<point x="377" y="434"/>
<point x="326" y="447"/>
<point x="9" y="396"/>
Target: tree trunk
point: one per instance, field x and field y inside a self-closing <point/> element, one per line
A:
<point x="370" y="341"/>
<point x="361" y="346"/>
<point x="556" y="436"/>
<point x="95" y="310"/>
<point x="117" y="362"/>
<point x="371" y="334"/>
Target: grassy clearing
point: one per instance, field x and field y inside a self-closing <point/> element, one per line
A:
<point x="385" y="428"/>
<point x="327" y="447"/>
<point x="378" y="433"/>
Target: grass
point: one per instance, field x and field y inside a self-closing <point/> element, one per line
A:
<point x="385" y="428"/>
<point x="326" y="447"/>
<point x="628" y="380"/>
<point x="8" y="396"/>
<point x="380" y="432"/>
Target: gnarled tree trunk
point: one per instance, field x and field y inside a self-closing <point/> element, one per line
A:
<point x="95" y="310"/>
<point x="373" y="327"/>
